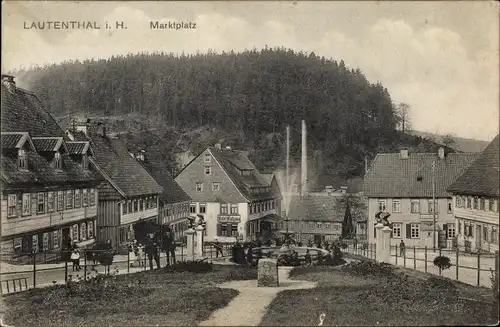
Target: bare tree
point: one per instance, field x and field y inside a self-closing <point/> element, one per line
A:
<point x="403" y="116"/>
<point x="448" y="140"/>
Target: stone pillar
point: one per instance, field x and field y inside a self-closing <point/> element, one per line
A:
<point x="386" y="248"/>
<point x="268" y="273"/>
<point x="379" y="242"/>
<point x="190" y="244"/>
<point x="199" y="241"/>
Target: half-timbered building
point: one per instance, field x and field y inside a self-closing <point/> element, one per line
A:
<point x="49" y="189"/>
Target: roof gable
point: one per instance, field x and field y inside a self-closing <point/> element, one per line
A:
<point x="392" y="176"/>
<point x="49" y="144"/>
<point x="16" y="140"/>
<point x="482" y="177"/>
<point x="316" y="207"/>
<point x="172" y="192"/>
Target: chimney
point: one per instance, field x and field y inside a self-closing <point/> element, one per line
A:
<point x="218" y="146"/>
<point x="8" y="82"/>
<point x="404" y="154"/>
<point x="303" y="180"/>
<point x="441" y="153"/>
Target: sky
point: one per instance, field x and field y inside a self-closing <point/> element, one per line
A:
<point x="441" y="58"/>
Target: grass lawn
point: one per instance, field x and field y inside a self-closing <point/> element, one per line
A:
<point x="353" y="297"/>
<point x="149" y="298"/>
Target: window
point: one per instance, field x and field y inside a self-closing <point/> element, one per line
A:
<point x="57" y="160"/>
<point x="92" y="196"/>
<point x="273" y="204"/>
<point x="381" y="205"/>
<point x="396" y="230"/>
<point x="41" y="203"/>
<point x="207" y="170"/>
<point x="458" y="202"/>
<point x="199" y="187"/>
<point x="22" y="160"/>
<point x="469" y="202"/>
<point x="459" y="226"/>
<point x="18" y="244"/>
<point x="85" y="162"/>
<point x="45" y="241"/>
<point x="254" y="207"/>
<point x="136" y="205"/>
<point x="234" y="230"/>
<point x="60" y="201"/>
<point x="69" y="199"/>
<point x="336" y="227"/>
<point x="90" y="229"/>
<point x="26" y="204"/>
<point x="292" y="224"/>
<point x="141" y="205"/>
<point x="85" y="197"/>
<point x="223" y="208"/>
<point x="83" y="231"/>
<point x="207" y="157"/>
<point x="432" y="207"/>
<point x="311" y="225"/>
<point x="450" y="230"/>
<point x="74" y="233"/>
<point x="482" y="204"/>
<point x="223" y="230"/>
<point x="78" y="199"/>
<point x="327" y="226"/>
<point x="415" y="206"/>
<point x="12" y="205"/>
<point x="396" y="205"/>
<point x="475" y="203"/>
<point x="203" y="208"/>
<point x="318" y="225"/>
<point x="414" y="230"/>
<point x="485" y="233"/>
<point x="34" y="243"/>
<point x="494" y="235"/>
<point x="55" y="239"/>
<point x="130" y="206"/>
<point x="234" y="209"/>
<point x="50" y="202"/>
<point x="450" y="206"/>
<point x="192" y="208"/>
<point x="491" y="205"/>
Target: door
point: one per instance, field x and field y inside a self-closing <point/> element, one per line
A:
<point x="317" y="239"/>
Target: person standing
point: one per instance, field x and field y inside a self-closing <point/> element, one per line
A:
<point x="151" y="250"/>
<point x="218" y="249"/>
<point x="402" y="248"/>
<point x="250" y="255"/>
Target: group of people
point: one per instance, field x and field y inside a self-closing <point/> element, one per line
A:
<point x="164" y="240"/>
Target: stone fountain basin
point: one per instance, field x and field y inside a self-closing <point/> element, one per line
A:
<point x="301" y="251"/>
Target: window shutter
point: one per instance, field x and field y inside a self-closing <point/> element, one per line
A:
<point x="34" y="204"/>
<point x="408" y="230"/>
<point x="374" y="232"/>
<point x="445" y="227"/>
<point x="46" y="204"/>
<point x="19" y="204"/>
<point x="391" y="232"/>
<point x="219" y="230"/>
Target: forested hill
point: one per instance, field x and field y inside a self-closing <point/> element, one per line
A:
<point x="251" y="95"/>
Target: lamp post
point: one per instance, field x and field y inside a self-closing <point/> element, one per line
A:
<point x="434" y="205"/>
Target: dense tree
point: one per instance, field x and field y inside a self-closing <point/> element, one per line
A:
<point x="245" y="99"/>
<point x="403" y="117"/>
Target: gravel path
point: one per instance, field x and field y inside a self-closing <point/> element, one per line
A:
<point x="248" y="307"/>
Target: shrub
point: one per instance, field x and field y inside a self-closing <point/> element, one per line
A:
<point x="442" y="262"/>
<point x="238" y="254"/>
<point x="343" y="245"/>
<point x="467" y="245"/>
<point x="367" y="269"/>
<point x="198" y="266"/>
<point x="454" y="243"/>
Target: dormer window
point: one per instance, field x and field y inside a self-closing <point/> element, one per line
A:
<point x="57" y="161"/>
<point x="22" y="160"/>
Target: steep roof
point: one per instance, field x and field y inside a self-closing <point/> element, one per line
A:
<point x="121" y="170"/>
<point x="172" y="192"/>
<point x="25" y="119"/>
<point x="314" y="207"/>
<point x="22" y="111"/>
<point x="231" y="161"/>
<point x="392" y="176"/>
<point x="482" y="177"/>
